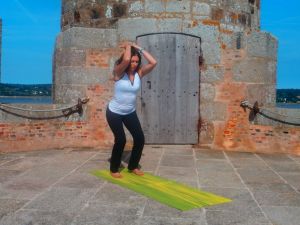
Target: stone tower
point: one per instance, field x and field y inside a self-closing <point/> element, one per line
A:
<point x="211" y="56"/>
<point x="236" y="62"/>
<point x="89" y="25"/>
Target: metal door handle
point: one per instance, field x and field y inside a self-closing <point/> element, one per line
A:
<point x="149" y="84"/>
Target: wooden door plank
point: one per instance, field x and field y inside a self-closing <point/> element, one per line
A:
<point x="169" y="109"/>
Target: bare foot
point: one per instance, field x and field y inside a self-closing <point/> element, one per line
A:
<point x="137" y="172"/>
<point x="116" y="175"/>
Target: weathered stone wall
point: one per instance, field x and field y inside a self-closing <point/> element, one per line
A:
<point x="239" y="64"/>
<point x="229" y="14"/>
<point x="25" y="133"/>
<point x="248" y="74"/>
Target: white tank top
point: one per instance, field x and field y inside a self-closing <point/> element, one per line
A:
<point x="124" y="100"/>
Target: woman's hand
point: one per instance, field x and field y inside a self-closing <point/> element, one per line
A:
<point x="129" y="44"/>
<point x="122" y="45"/>
<point x="125" y="44"/>
<point x="136" y="46"/>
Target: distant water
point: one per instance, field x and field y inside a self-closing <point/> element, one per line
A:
<point x="26" y="100"/>
<point x="288" y="105"/>
<point x="48" y="100"/>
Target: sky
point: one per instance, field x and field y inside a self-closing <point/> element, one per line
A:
<point x="30" y="28"/>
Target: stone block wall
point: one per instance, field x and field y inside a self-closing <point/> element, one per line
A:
<point x="237" y="131"/>
<point x="247" y="73"/>
<point x="229" y="14"/>
<point x="24" y="133"/>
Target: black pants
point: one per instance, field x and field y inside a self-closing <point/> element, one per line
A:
<point x="132" y="123"/>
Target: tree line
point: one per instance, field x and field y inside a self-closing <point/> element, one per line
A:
<point x="25" y="89"/>
<point x="288" y="95"/>
<point x="282" y="95"/>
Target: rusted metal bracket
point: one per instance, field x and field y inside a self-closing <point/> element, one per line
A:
<point x="75" y="109"/>
<point x="254" y="110"/>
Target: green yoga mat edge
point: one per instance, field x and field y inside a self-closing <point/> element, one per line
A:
<point x="171" y="193"/>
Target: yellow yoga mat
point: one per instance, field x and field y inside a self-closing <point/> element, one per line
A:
<point x="165" y="191"/>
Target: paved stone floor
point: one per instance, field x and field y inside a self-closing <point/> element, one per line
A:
<point x="54" y="187"/>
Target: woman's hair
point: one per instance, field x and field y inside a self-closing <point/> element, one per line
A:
<point x="134" y="52"/>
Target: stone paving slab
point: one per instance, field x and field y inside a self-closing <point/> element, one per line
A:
<point x="66" y="200"/>
<point x="259" y="176"/>
<point x="208" y="154"/>
<point x="96" y="217"/>
<point x="5" y="158"/>
<point x="249" y="163"/>
<point x="178" y="160"/>
<point x="148" y="220"/>
<point x="296" y="158"/>
<point x="9" y="206"/>
<point x="285" y="166"/>
<point x="213" y="165"/>
<point x="55" y="187"/>
<point x="235" y="218"/>
<point x="6" y="175"/>
<point x="283" y="215"/>
<point x="293" y="179"/>
<point x="177" y="173"/>
<point x="216" y="178"/>
<point x="37" y="217"/>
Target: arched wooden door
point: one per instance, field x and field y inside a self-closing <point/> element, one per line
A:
<point x="169" y="106"/>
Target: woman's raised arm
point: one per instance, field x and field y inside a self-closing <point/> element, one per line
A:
<point x="123" y="62"/>
<point x="145" y="69"/>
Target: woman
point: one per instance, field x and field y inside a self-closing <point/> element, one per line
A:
<point x="122" y="108"/>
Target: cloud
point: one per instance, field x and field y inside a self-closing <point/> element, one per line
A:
<point x="26" y="11"/>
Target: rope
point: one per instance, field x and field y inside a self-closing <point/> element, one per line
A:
<point x="275" y="113"/>
<point x="33" y="117"/>
<point x="247" y="104"/>
<point x="34" y="110"/>
<point x="256" y="110"/>
<point x="66" y="111"/>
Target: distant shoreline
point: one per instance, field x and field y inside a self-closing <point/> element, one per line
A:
<point x="288" y="105"/>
